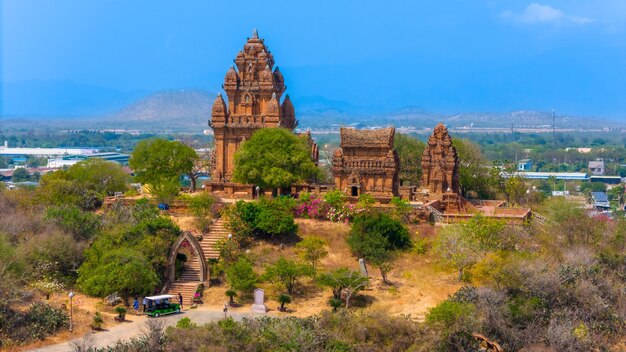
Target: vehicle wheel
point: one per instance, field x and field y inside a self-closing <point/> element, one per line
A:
<point x="156" y="315"/>
<point x="177" y="310"/>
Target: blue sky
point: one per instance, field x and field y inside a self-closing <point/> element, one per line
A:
<point x="443" y="56"/>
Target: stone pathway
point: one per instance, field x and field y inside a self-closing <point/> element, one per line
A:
<point x="136" y="325"/>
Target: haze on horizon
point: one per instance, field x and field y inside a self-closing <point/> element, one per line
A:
<point x="483" y="55"/>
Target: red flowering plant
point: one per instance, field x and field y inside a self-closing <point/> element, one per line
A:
<point x="310" y="206"/>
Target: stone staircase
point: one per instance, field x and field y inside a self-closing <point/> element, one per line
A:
<point x="186" y="288"/>
<point x="209" y="241"/>
<point x="189" y="280"/>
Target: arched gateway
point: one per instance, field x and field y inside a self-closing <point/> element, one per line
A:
<point x="188" y="242"/>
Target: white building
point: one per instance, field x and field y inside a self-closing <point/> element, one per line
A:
<point x="5" y="150"/>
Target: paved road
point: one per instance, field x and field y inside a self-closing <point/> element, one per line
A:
<point x="127" y="330"/>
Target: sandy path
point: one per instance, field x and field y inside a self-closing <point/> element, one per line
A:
<point x="136" y="325"/>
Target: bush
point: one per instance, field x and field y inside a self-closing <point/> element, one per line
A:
<point x="421" y="245"/>
<point x="283" y="299"/>
<point x="266" y="218"/>
<point x="45" y="319"/>
<point x="241" y="276"/>
<point x="185" y="323"/>
<point x="97" y="321"/>
<point x="201" y="206"/>
<point x="335" y="198"/>
<point x="377" y="223"/>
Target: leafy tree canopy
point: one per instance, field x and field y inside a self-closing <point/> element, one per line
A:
<point x="159" y="163"/>
<point x="287" y="272"/>
<point x="477" y="179"/>
<point x="379" y="229"/>
<point x="274" y="158"/>
<point x="409" y="152"/>
<point x="241" y="276"/>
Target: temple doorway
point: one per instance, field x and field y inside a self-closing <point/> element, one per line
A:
<point x="355" y="191"/>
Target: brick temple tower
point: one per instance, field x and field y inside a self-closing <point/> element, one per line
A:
<point x="440" y="163"/>
<point x="253" y="89"/>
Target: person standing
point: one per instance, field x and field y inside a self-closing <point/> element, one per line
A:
<point x="180" y="300"/>
<point x="145" y="303"/>
<point x="136" y="306"/>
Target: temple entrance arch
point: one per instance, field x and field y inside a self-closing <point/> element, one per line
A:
<point x="187" y="242"/>
<point x="354" y="192"/>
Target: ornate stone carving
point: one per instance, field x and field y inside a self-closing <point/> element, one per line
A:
<point x="440" y="164"/>
<point x="254" y="92"/>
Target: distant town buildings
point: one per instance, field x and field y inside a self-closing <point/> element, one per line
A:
<point x="525" y="165"/>
<point x="596" y="167"/>
<point x="44" y="152"/>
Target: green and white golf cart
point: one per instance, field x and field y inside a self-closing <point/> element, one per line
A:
<point x="161" y="305"/>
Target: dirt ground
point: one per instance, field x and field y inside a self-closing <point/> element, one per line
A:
<point x="418" y="282"/>
<point x="84" y="308"/>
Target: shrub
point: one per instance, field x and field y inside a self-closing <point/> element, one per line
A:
<point x="283" y="299"/>
<point x="335" y="198"/>
<point x="287" y="272"/>
<point x="231" y="295"/>
<point x="201" y="206"/>
<point x="273" y="218"/>
<point x="241" y="276"/>
<point x="312" y="250"/>
<point x="185" y="323"/>
<point x="310" y="206"/>
<point x="335" y="303"/>
<point x="421" y="245"/>
<point x="45" y="319"/>
<point x="377" y="223"/>
<point x="97" y="321"/>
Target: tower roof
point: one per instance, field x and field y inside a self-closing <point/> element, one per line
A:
<point x="219" y="107"/>
<point x="379" y="138"/>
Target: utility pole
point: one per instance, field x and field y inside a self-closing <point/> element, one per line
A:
<point x="553" y="129"/>
<point x="553" y="137"/>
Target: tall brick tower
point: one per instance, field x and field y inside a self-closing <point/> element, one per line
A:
<point x="253" y="89"/>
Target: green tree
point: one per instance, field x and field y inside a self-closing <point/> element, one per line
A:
<point x="160" y="163"/>
<point x="268" y="217"/>
<point x="63" y="192"/>
<point x="81" y="224"/>
<point x="20" y="175"/>
<point x="463" y="245"/>
<point x="343" y="280"/>
<point x="12" y="267"/>
<point x="456" y="249"/>
<point x="515" y="189"/>
<point x="283" y="299"/>
<point x="312" y="249"/>
<point x="241" y="276"/>
<point x="476" y="177"/>
<point x="409" y="152"/>
<point x="121" y="270"/>
<point x="201" y="206"/>
<point x="274" y="158"/>
<point x="102" y="176"/>
<point x="378" y="225"/>
<point x="287" y="272"/>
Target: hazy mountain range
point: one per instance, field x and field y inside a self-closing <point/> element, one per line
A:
<point x="188" y="111"/>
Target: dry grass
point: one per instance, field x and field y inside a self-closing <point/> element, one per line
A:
<point x="418" y="283"/>
<point x="84" y="308"/>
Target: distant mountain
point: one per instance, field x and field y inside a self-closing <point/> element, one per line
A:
<point x="189" y="106"/>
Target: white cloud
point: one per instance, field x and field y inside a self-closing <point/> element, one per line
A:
<point x="538" y="13"/>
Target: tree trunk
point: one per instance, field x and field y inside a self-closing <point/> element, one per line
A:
<point x="192" y="177"/>
<point x="461" y="274"/>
